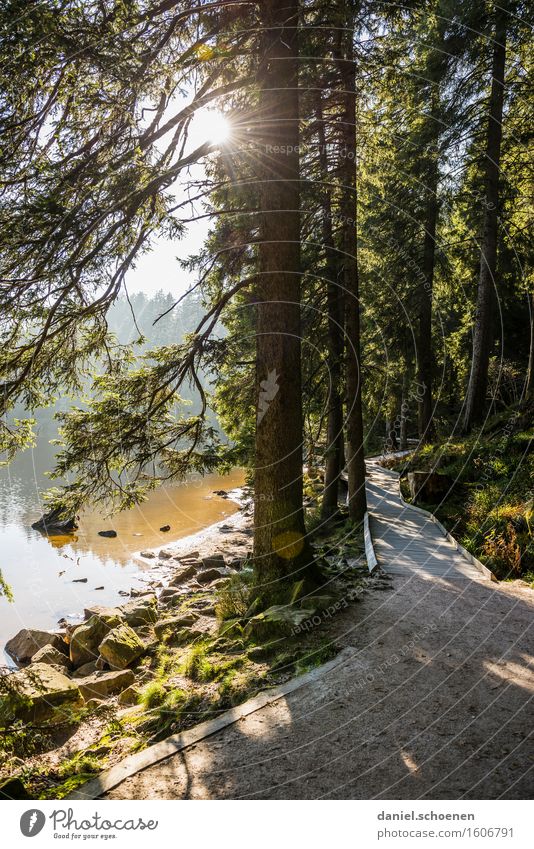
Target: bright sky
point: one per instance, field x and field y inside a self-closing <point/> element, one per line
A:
<point x="160" y="269"/>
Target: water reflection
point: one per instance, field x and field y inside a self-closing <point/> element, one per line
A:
<point x="55" y="577"/>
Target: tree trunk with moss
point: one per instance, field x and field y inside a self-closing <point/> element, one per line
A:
<point x="424" y="342"/>
<point x="334" y="298"/>
<point x="357" y="501"/>
<point x="475" y="404"/>
<point x="280" y="549"/>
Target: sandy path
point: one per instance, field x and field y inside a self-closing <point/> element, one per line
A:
<point x="435" y="701"/>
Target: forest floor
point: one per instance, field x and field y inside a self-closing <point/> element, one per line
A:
<point x="433" y="702"/>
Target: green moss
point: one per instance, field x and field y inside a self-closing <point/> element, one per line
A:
<point x="490" y="511"/>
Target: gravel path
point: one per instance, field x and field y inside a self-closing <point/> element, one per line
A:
<point x="434" y="702"/>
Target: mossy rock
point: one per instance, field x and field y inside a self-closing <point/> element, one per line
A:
<point x="121" y="647"/>
<point x="87" y="638"/>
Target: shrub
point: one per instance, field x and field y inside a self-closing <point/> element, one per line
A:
<point x="503" y="552"/>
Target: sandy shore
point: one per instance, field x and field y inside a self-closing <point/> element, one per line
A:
<point x="231" y="537"/>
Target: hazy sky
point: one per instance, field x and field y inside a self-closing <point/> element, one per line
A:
<point x="160" y="269"/>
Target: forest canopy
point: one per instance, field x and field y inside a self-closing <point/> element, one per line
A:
<point x="368" y="274"/>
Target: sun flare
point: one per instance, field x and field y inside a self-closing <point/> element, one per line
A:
<point x="208" y="125"/>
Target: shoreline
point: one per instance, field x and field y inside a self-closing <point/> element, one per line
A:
<point x="208" y="534"/>
<point x="155" y="572"/>
<point x="227" y="537"/>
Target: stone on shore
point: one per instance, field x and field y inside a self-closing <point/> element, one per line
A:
<point x="140" y="611"/>
<point x="184" y="635"/>
<point x="85" y="670"/>
<point x="130" y="696"/>
<point x="213" y="561"/>
<point x="37" y="692"/>
<point x="209" y="575"/>
<point x="13" y="788"/>
<point x="101" y="610"/>
<point x="27" y="642"/>
<point x="87" y="638"/>
<point x="167" y="626"/>
<point x="121" y="647"/>
<point x="150" y="555"/>
<point x="100" y="685"/>
<point x="49" y="654"/>
<point x="168" y="594"/>
<point x="183" y="575"/>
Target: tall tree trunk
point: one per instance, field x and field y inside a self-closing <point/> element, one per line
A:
<point x="334" y="428"/>
<point x="482" y="333"/>
<point x="280" y="546"/>
<point x="529" y="385"/>
<point x="357" y="501"/>
<point x="403" y="430"/>
<point x="424" y="346"/>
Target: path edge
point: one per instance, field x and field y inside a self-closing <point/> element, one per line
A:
<point x="140" y="761"/>
<point x="370" y="554"/>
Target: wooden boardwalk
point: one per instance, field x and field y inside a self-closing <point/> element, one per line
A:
<point x="406" y="542"/>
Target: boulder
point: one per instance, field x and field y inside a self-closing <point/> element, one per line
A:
<point x="102" y="611"/>
<point x="111" y="534"/>
<point x="184" y="635"/>
<point x="27" y="642"/>
<point x="150" y="555"/>
<point x="429" y="487"/>
<point x="13" y="788"/>
<point x="121" y="647"/>
<point x="168" y="593"/>
<point x="183" y="575"/>
<point x="214" y="561"/>
<point x="48" y="654"/>
<point x="208" y="575"/>
<point x="130" y="696"/>
<point x="55" y="522"/>
<point x="100" y="685"/>
<point x="165" y="626"/>
<point x="86" y="638"/>
<point x="85" y="670"/>
<point x="191" y="555"/>
<point x="141" y="611"/>
<point x="36" y="693"/>
<point x="165" y="554"/>
<point x="165" y="528"/>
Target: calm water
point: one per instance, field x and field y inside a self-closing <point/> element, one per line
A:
<point x="41" y="570"/>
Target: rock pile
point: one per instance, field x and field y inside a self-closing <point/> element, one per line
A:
<point x="101" y="658"/>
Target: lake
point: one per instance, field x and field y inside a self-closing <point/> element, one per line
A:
<point x="42" y="571"/>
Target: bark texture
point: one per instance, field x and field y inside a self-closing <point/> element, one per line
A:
<point x="475" y="403"/>
<point x="334" y="427"/>
<point x="354" y="420"/>
<point x="280" y="548"/>
<point x="424" y="347"/>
